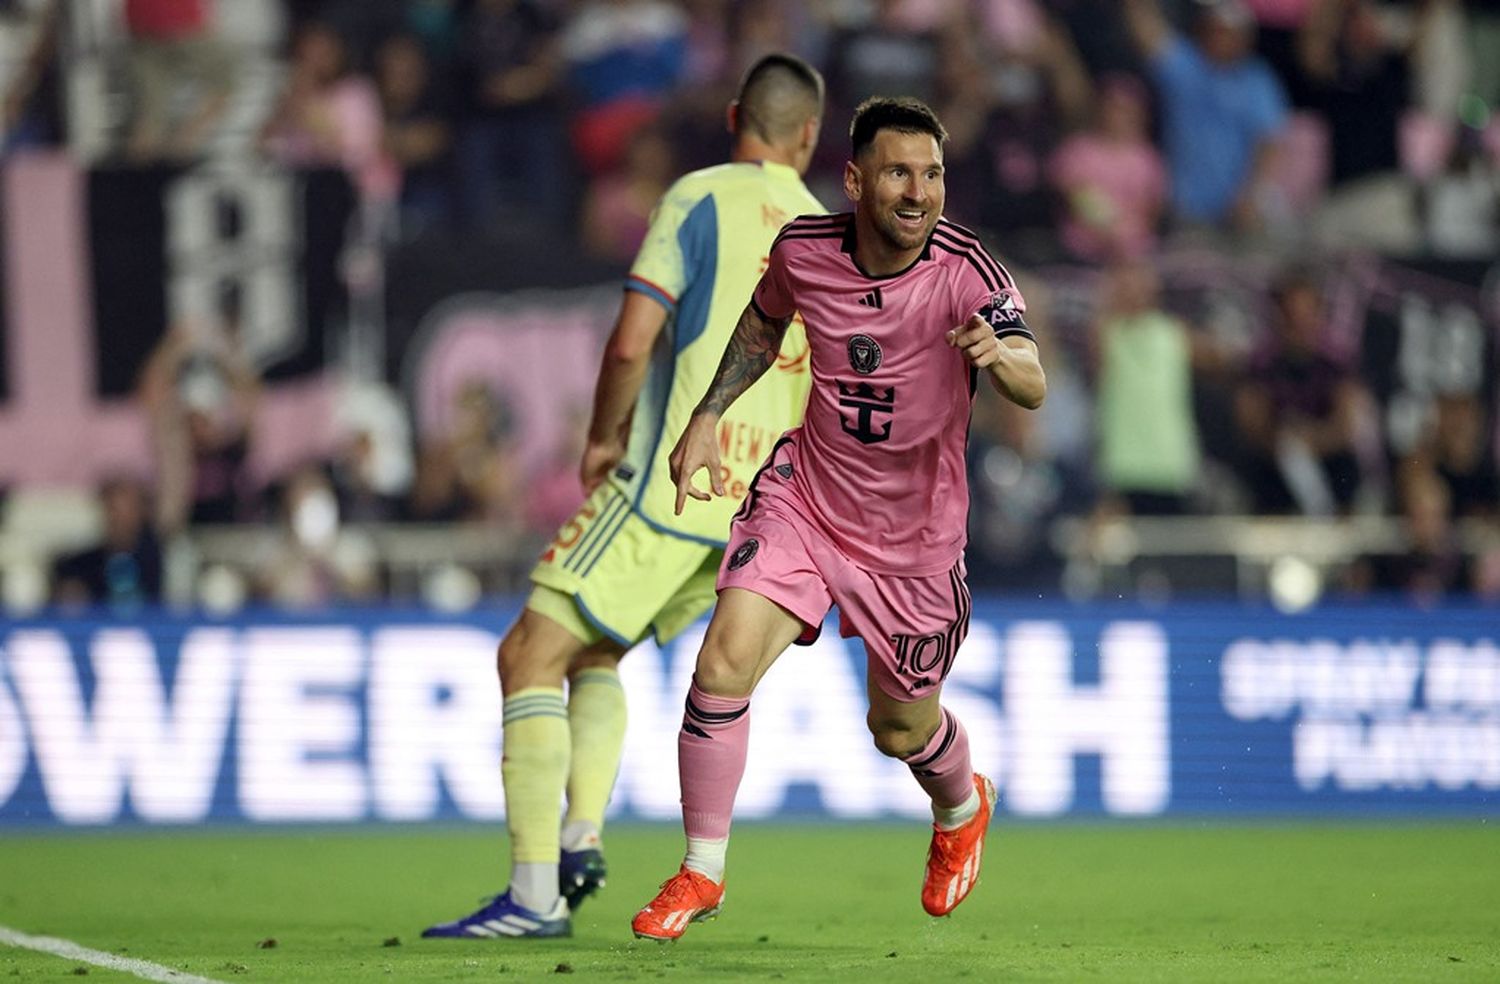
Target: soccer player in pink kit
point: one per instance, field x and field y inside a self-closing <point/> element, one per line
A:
<point x="863" y="506"/>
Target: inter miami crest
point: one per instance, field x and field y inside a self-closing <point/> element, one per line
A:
<point x="864" y="354"/>
<point x="743" y="554"/>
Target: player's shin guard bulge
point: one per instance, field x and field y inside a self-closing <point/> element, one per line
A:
<point x="596" y="722"/>
<point x="711" y="750"/>
<point x="954" y="857"/>
<point x="534" y="767"/>
<point x="686" y="897"/>
<point x="943" y="768"/>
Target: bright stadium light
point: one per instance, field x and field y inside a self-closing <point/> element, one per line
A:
<point x="451" y="588"/>
<point x="1294" y="584"/>
<point x="222" y="590"/>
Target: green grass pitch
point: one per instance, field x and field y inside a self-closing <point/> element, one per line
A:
<point x="816" y="902"/>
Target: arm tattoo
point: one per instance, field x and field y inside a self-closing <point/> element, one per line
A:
<point x="751" y="351"/>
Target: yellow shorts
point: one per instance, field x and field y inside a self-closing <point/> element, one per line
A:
<point x="610" y="574"/>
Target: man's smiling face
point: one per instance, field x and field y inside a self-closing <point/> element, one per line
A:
<point x="900" y="187"/>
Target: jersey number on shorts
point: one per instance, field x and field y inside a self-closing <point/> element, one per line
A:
<point x="924" y="654"/>
<point x="573" y="529"/>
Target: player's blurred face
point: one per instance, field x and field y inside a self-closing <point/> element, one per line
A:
<point x="899" y="187"/>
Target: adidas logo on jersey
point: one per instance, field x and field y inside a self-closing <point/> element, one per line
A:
<point x="872" y="299"/>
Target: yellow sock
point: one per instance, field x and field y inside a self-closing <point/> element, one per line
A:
<point x="596" y="718"/>
<point x="534" y="765"/>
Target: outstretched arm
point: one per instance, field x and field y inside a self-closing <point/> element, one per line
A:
<point x="751" y="351"/>
<point x="1012" y="362"/>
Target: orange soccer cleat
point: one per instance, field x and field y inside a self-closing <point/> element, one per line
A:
<point x="953" y="858"/>
<point x="686" y="897"/>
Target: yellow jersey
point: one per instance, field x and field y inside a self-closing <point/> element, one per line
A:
<point x="708" y="244"/>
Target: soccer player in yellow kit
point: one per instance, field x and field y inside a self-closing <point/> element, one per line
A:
<point x="626" y="565"/>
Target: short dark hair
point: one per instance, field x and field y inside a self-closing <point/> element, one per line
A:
<point x="902" y="113"/>
<point x="777" y="95"/>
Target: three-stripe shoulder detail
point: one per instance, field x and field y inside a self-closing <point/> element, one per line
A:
<point x="814" y="227"/>
<point x="959" y="241"/>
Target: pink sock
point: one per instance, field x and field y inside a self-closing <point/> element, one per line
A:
<point x="711" y="751"/>
<point x="943" y="768"/>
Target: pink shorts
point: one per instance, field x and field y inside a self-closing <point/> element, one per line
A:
<point x="911" y="626"/>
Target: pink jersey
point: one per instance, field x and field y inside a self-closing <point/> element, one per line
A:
<point x="879" y="458"/>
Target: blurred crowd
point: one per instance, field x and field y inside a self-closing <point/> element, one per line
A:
<point x="1098" y="134"/>
<point x="1086" y="127"/>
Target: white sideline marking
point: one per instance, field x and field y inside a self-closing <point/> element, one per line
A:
<point x="69" y="950"/>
